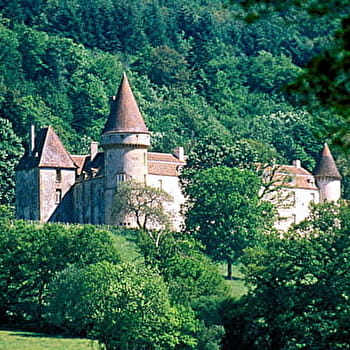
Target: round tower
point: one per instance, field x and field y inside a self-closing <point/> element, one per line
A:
<point x="125" y="141"/>
<point x="327" y="177"/>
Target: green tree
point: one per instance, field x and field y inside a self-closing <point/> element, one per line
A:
<point x="123" y="306"/>
<point x="10" y="151"/>
<point x="188" y="272"/>
<point x="31" y="255"/>
<point x="299" y="288"/>
<point x="326" y="75"/>
<point x="145" y="205"/>
<point x="224" y="211"/>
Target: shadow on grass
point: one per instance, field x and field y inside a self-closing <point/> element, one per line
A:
<point x="15" y="333"/>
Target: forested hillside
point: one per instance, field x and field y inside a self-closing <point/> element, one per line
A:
<point x="203" y="76"/>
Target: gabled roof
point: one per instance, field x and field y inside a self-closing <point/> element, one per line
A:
<point x="125" y="115"/>
<point x="48" y="152"/>
<point x="326" y="166"/>
<point x="80" y="161"/>
<point x="164" y="164"/>
<point x="293" y="177"/>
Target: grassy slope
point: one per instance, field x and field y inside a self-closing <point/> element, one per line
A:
<point x="11" y="340"/>
<point x="236" y="286"/>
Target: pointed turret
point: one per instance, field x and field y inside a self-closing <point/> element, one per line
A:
<point x="328" y="177"/>
<point x="125" y="116"/>
<point x="125" y="141"/>
<point x="326" y="166"/>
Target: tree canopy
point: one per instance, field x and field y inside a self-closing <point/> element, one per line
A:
<point x="299" y="287"/>
<point x="224" y="211"/>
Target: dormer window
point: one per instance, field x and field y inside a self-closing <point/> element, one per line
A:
<point x="311" y="182"/>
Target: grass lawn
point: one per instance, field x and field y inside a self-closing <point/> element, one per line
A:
<point x="18" y="340"/>
<point x="236" y="285"/>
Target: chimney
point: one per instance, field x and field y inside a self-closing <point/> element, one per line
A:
<point x="297" y="163"/>
<point x="93" y="149"/>
<point x="31" y="140"/>
<point x="179" y="153"/>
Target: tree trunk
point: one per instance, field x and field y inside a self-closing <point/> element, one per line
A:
<point x="229" y="270"/>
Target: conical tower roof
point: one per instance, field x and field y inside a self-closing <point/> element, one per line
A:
<point x="125" y="115"/>
<point x="326" y="166"/>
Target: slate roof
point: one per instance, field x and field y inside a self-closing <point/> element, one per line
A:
<point x="124" y="114"/>
<point x="48" y="152"/>
<point x="326" y="166"/>
<point x="164" y="164"/>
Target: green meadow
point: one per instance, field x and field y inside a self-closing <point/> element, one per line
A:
<point x="18" y="340"/>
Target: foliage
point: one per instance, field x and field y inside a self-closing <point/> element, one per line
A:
<point x="224" y="211"/>
<point x="124" y="306"/>
<point x="298" y="287"/>
<point x="324" y="81"/>
<point x="10" y="151"/>
<point x="7" y="212"/>
<point x="30" y="257"/>
<point x="189" y="274"/>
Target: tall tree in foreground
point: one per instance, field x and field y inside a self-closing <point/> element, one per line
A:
<point x="122" y="306"/>
<point x="225" y="212"/>
<point x="30" y="255"/>
<point x="299" y="287"/>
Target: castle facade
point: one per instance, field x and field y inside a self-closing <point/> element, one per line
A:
<point x="53" y="185"/>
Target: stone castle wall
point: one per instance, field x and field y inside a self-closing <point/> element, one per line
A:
<point x="27" y="194"/>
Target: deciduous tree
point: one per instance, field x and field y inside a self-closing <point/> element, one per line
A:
<point x="145" y="205"/>
<point x="224" y="211"/>
<point x="123" y="306"/>
<point x="299" y="286"/>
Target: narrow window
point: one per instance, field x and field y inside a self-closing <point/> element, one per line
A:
<point x="58" y="196"/>
<point x="293" y="198"/>
<point x="312" y="198"/>
<point x="160" y="184"/>
<point x="58" y="175"/>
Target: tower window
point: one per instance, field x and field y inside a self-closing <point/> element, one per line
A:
<point x="58" y="196"/>
<point x="312" y="198"/>
<point x="58" y="175"/>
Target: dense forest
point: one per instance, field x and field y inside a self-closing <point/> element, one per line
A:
<point x="235" y="83"/>
<point x="203" y="75"/>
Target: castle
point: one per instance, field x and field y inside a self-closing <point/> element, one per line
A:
<point x="294" y="189"/>
<point x="53" y="185"/>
